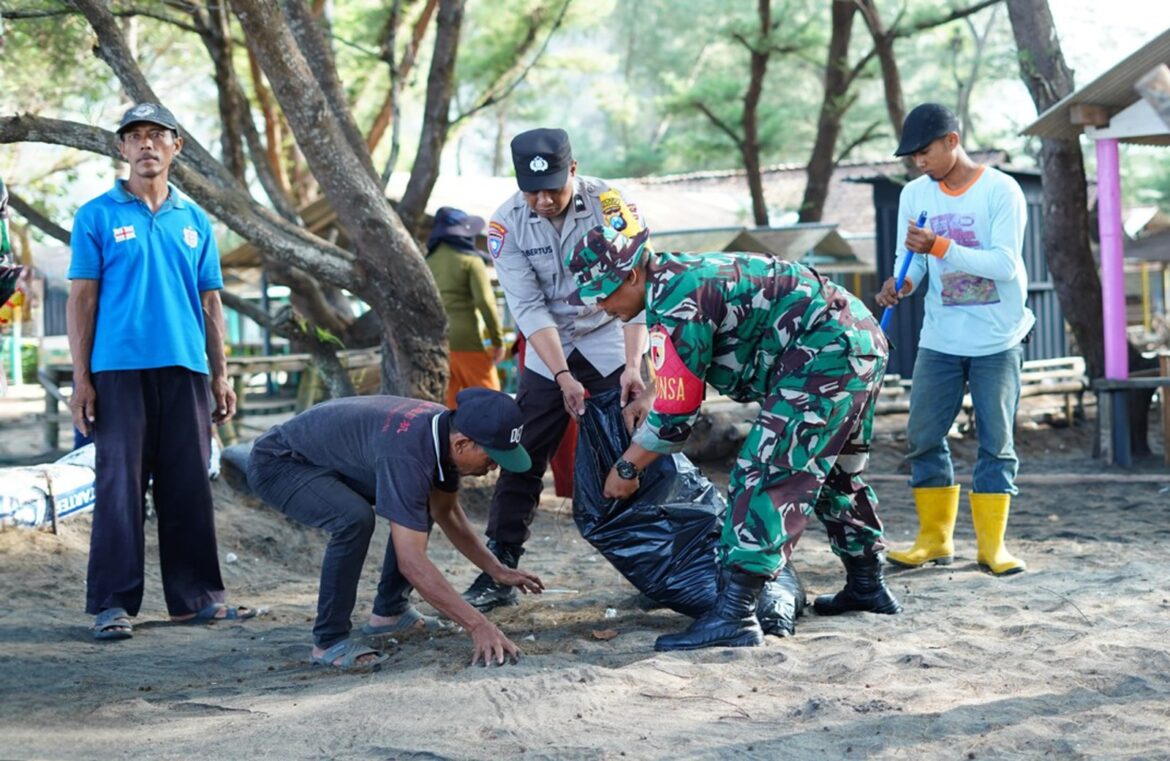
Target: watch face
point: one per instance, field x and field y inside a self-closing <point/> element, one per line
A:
<point x="627" y="470"/>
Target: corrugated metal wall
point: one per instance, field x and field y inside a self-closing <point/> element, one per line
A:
<point x="54" y="309"/>
<point x="1049" y="339"/>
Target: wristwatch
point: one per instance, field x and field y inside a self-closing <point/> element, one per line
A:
<point x="627" y="470"/>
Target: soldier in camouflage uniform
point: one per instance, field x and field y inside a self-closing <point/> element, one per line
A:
<point x="757" y="329"/>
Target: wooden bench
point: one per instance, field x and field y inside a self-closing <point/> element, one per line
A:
<point x="1113" y="424"/>
<point x="57" y="381"/>
<point x="1063" y="376"/>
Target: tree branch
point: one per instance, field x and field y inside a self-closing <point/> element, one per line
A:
<point x="285" y="242"/>
<point x="721" y="125"/>
<point x="38" y="220"/>
<point x="864" y="138"/>
<point x="955" y="15"/>
<point x="493" y="95"/>
<point x="112" y="49"/>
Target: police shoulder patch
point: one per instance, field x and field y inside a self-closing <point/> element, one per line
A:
<point x="495" y="238"/>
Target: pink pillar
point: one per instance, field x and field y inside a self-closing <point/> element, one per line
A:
<point x="1112" y="255"/>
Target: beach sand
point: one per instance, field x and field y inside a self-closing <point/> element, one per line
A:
<point x="1068" y="660"/>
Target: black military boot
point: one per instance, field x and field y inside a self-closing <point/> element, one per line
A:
<point x="731" y="622"/>
<point x="865" y="590"/>
<point x="485" y="594"/>
<point x="781" y="603"/>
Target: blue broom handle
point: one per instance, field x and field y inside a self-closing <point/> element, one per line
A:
<point x="886" y="315"/>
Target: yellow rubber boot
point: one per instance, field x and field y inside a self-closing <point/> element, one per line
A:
<point x="937" y="508"/>
<point x="989" y="513"/>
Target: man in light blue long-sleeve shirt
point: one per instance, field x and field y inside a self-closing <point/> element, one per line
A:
<point x="970" y="252"/>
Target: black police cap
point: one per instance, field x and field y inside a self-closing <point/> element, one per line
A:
<point x="542" y="158"/>
<point x="925" y="124"/>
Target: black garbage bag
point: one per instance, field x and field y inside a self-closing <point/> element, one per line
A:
<point x="664" y="539"/>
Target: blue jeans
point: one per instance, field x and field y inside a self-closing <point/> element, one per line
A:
<point x="936" y="397"/>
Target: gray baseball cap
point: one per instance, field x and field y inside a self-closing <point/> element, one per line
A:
<point x="149" y="113"/>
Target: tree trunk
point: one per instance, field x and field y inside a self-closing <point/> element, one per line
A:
<point x="833" y="107"/>
<point x="750" y="147"/>
<point x="1066" y="214"/>
<point x="1066" y="208"/>
<point x="436" y="119"/>
<point x="391" y="274"/>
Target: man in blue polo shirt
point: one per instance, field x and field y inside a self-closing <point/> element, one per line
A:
<point x="146" y="332"/>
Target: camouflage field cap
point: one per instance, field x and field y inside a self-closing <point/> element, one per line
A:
<point x="601" y="260"/>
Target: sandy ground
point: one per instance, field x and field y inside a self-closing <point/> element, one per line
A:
<point x="1066" y="661"/>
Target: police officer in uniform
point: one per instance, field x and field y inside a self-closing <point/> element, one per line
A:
<point x="574" y="349"/>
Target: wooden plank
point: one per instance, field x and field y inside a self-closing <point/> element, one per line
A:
<point x="1088" y="115"/>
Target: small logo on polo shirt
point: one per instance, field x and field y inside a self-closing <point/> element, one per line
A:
<point x="123" y="234"/>
<point x="191" y="236"/>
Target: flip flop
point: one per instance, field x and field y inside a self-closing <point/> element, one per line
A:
<point x="407" y="621"/>
<point x="112" y="623"/>
<point x="207" y="615"/>
<point x="346" y="652"/>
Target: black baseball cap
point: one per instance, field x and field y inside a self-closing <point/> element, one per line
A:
<point x="925" y="124"/>
<point x="150" y="113"/>
<point x="542" y="158"/>
<point x="452" y="221"/>
<point x="493" y="420"/>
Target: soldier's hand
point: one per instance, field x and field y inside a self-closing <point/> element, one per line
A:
<point x="636" y="411"/>
<point x="632" y="384"/>
<point x="617" y="487"/>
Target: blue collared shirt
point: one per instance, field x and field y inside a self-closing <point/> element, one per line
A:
<point x="152" y="268"/>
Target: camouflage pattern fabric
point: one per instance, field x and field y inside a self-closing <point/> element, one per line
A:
<point x="767" y="330"/>
<point x="602" y="259"/>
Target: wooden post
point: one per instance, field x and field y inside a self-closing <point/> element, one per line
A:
<point x="1164" y="393"/>
<point x="1154" y="87"/>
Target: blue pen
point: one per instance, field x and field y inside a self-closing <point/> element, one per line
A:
<point x="886" y="315"/>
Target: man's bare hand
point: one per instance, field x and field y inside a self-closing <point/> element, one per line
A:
<point x="919" y="239"/>
<point x="525" y="581"/>
<point x="225" y="400"/>
<point x="83" y="406"/>
<point x="574" y="394"/>
<point x="886" y="297"/>
<point x="491" y="646"/>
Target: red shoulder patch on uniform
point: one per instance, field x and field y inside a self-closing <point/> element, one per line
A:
<point x="495" y="238"/>
<point x="680" y="391"/>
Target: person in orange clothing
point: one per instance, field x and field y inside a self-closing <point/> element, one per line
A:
<point x="468" y="297"/>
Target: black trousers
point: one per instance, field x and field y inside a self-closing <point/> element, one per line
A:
<point x="152" y="424"/>
<point x="327" y="500"/>
<point x="542" y="403"/>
